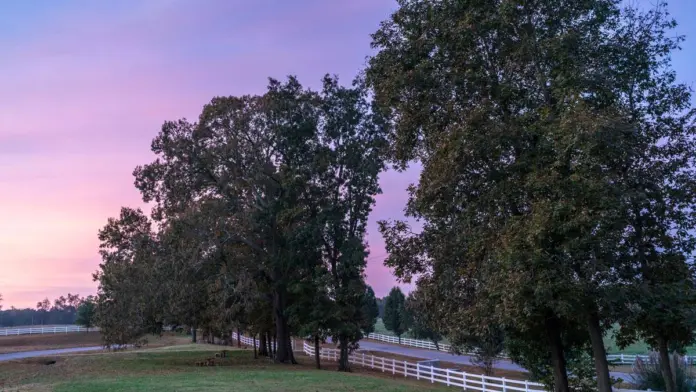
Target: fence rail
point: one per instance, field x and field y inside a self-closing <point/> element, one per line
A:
<point x="409" y="342"/>
<point x="255" y="342"/>
<point x="618" y="359"/>
<point x="433" y="374"/>
<point x="43" y="330"/>
<point x="625" y="359"/>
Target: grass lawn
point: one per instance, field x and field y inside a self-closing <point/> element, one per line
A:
<point x="173" y="369"/>
<point x="637" y="348"/>
<point x="13" y="344"/>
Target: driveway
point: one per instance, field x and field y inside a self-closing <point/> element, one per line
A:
<point x="444" y="356"/>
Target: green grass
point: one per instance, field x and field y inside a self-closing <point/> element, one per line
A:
<point x="247" y="381"/>
<point x="381" y="329"/>
<point x="637" y="348"/>
<point x="175" y="370"/>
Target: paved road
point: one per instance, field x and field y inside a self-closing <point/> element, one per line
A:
<point x="444" y="356"/>
<point x="44" y="353"/>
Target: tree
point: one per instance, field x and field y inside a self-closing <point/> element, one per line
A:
<point x="423" y="324"/>
<point x="370" y="310"/>
<point x="43" y="307"/>
<point x="520" y="118"/>
<point x="661" y="294"/>
<point x="395" y="317"/>
<point x="86" y="312"/>
<point x="349" y="157"/>
<point x="127" y="298"/>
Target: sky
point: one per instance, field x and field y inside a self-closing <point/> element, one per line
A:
<point x="86" y="85"/>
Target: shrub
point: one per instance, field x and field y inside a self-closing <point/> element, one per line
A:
<point x="647" y="374"/>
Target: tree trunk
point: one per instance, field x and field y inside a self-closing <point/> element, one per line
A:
<point x="253" y="341"/>
<point x="239" y="338"/>
<point x="290" y="350"/>
<point x="599" y="353"/>
<point x="275" y="344"/>
<point x="343" y="363"/>
<point x="193" y="334"/>
<point x="269" y="341"/>
<point x="560" y="374"/>
<point x="665" y="365"/>
<point x="283" y="354"/>
<point x="437" y="345"/>
<point x="263" y="348"/>
<point x="399" y="339"/>
<point x="317" y="351"/>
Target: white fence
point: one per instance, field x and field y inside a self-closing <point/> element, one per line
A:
<point x="408" y="342"/>
<point x="255" y="342"/>
<point x="618" y="359"/>
<point x="433" y="374"/>
<point x="625" y="359"/>
<point x="43" y="330"/>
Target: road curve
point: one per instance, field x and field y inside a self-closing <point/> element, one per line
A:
<point x="502" y="364"/>
<point x="43" y="353"/>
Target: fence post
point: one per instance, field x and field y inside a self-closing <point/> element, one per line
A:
<point x="448" y="377"/>
<point x="622" y="359"/>
<point x="417" y="371"/>
<point x="483" y="383"/>
<point x="526" y="386"/>
<point x="363" y="360"/>
<point x="405" y="370"/>
<point x="504" y="389"/>
<point x="372" y="361"/>
<point x="464" y="380"/>
<point x="432" y="374"/>
<point x="393" y="367"/>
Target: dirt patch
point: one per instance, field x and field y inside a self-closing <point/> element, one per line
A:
<point x="11" y="344"/>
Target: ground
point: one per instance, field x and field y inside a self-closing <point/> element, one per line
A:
<point x="174" y="368"/>
<point x="10" y="344"/>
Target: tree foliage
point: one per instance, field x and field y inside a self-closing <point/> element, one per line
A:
<point x="395" y="314"/>
<point x="86" y="311"/>
<point x="536" y="124"/>
<point x="259" y="211"/>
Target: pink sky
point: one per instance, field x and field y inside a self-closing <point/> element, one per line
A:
<point x="85" y="86"/>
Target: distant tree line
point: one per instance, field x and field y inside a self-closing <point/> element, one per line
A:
<point x="62" y="310"/>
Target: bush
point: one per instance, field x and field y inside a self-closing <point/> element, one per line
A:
<point x="647" y="374"/>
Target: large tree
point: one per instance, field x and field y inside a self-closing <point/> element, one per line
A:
<point x="661" y="178"/>
<point x="348" y="159"/>
<point x="527" y="144"/>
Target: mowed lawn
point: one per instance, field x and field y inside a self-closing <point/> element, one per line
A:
<point x="637" y="348"/>
<point x="169" y="370"/>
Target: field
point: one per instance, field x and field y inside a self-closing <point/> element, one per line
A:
<point x="19" y="343"/>
<point x="173" y="368"/>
